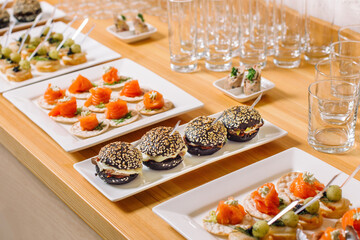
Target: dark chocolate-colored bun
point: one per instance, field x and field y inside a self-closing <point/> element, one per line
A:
<point x="114" y="180"/>
<point x="4" y="18"/>
<point x="26" y="10"/>
<point x="121" y="155"/>
<point x="237" y="119"/>
<point x="164" y="165"/>
<point x="159" y="142"/>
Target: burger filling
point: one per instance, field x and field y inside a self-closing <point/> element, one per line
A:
<point x="147" y="157"/>
<point x="115" y="171"/>
<point x="201" y="146"/>
<point x="248" y="130"/>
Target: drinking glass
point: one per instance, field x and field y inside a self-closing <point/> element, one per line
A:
<point x="182" y="22"/>
<point x="288" y="33"/>
<point x="200" y="28"/>
<point x="349" y="33"/>
<point x="253" y="32"/>
<point x="346" y="49"/>
<point x="332" y="116"/>
<point x="218" y="35"/>
<point x="318" y="35"/>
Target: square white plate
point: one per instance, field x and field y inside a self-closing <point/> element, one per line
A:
<point x="150" y="178"/>
<point x="186" y="211"/>
<point x="130" y="36"/>
<point x="96" y="53"/>
<point x="25" y="99"/>
<point x="47" y="10"/>
<point x="238" y="93"/>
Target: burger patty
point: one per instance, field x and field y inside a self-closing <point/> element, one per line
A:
<point x="114" y="179"/>
<point x="200" y="150"/>
<point x="164" y="165"/>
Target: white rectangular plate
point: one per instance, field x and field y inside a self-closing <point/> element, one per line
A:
<point x="96" y="53"/>
<point x="150" y="178"/>
<point x="238" y="93"/>
<point x="186" y="211"/>
<point x="47" y="10"/>
<point x="130" y="36"/>
<point x="25" y="99"/>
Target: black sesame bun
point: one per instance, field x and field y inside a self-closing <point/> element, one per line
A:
<point x="118" y="163"/>
<point x="203" y="138"/>
<point x="4" y="18"/>
<point x="242" y="123"/>
<point x="26" y="10"/>
<point x="162" y="151"/>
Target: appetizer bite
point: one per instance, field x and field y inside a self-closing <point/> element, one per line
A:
<point x="252" y="81"/>
<point x="118" y="113"/>
<point x="352" y="218"/>
<point x="242" y="123"/>
<point x="264" y="203"/>
<point x="202" y="137"/>
<point x="118" y="163"/>
<point x="98" y="99"/>
<point x="329" y="234"/>
<point x="65" y="110"/>
<point x="120" y="23"/>
<point x="235" y="78"/>
<point x="132" y="92"/>
<point x="229" y="214"/>
<point x="26" y="10"/>
<point x="10" y="60"/>
<point x="4" y="18"/>
<point x="89" y="126"/>
<point x="154" y="103"/>
<point x="310" y="218"/>
<point x="332" y="204"/>
<point x="41" y="54"/>
<point x="258" y="231"/>
<point x="51" y="97"/>
<point x="21" y="72"/>
<point x="30" y="47"/>
<point x="48" y="63"/>
<point x="111" y="79"/>
<point x="74" y="56"/>
<point x="139" y="24"/>
<point x="162" y="150"/>
<point x="80" y="87"/>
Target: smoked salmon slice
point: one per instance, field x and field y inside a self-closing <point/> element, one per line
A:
<point x="229" y="212"/>
<point x="116" y="110"/>
<point x="88" y="123"/>
<point x="53" y="94"/>
<point x="65" y="107"/>
<point x="98" y="96"/>
<point x="304" y="189"/>
<point x="328" y="234"/>
<point x="80" y="85"/>
<point x="131" y="89"/>
<point x="266" y="199"/>
<point x="352" y="218"/>
<point x="111" y="76"/>
<point x="153" y="100"/>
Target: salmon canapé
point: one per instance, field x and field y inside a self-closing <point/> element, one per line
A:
<point x="53" y="94"/>
<point x="153" y="100"/>
<point x="99" y="95"/>
<point x="116" y="109"/>
<point x="131" y="89"/>
<point x="65" y="107"/>
<point x="111" y="76"/>
<point x="80" y="85"/>
<point x="89" y="122"/>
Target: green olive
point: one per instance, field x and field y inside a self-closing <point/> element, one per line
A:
<point x="35" y="41"/>
<point x="46" y="30"/>
<point x="69" y="42"/>
<point x="6" y="52"/>
<point x="15" y="57"/>
<point x="314" y="207"/>
<point x="24" y="64"/>
<point x="58" y="37"/>
<point x="42" y="51"/>
<point x="76" y="48"/>
<point x="27" y="40"/>
<point x="290" y="219"/>
<point x="260" y="229"/>
<point x="334" y="193"/>
<point x="53" y="54"/>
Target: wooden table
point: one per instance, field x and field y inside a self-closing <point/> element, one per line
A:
<point x="132" y="218"/>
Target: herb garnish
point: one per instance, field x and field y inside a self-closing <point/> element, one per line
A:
<point x="78" y="110"/>
<point x="123" y="17"/>
<point x="234" y="72"/>
<point x="94" y="85"/>
<point x="120" y="81"/>
<point x="99" y="127"/>
<point x="141" y="17"/>
<point x="251" y="74"/>
<point x="127" y="116"/>
<point x="101" y="105"/>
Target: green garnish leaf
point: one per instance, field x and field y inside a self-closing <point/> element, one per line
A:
<point x="123" y="17"/>
<point x="94" y="85"/>
<point x="99" y="127"/>
<point x="141" y="17"/>
<point x="101" y="105"/>
<point x="120" y="81"/>
<point x="212" y="217"/>
<point x="78" y="111"/>
<point x="251" y="74"/>
<point x="127" y="116"/>
<point x="234" y="72"/>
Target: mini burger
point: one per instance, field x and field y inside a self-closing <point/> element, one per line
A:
<point x="162" y="150"/>
<point x="204" y="138"/>
<point x="242" y="123"/>
<point x="118" y="163"/>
